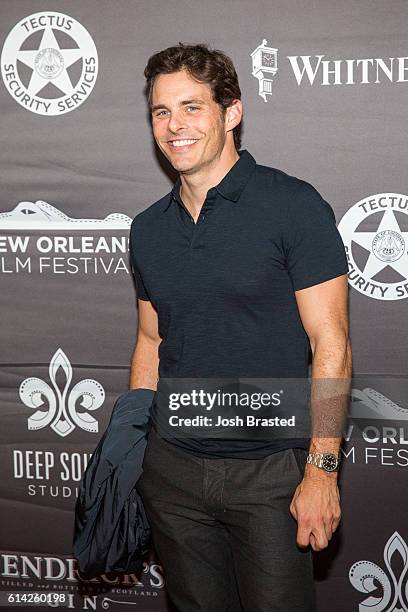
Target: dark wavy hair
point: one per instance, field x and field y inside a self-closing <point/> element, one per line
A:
<point x="206" y="65"/>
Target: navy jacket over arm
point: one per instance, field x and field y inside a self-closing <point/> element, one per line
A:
<point x="111" y="531"/>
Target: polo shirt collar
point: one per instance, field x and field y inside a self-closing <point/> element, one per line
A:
<point x="233" y="183"/>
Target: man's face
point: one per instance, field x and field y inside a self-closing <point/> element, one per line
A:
<point x="187" y="124"/>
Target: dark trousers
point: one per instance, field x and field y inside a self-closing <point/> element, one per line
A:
<point x="223" y="531"/>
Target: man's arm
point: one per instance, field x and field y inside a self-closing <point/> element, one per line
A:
<point x="145" y="360"/>
<point x="323" y="310"/>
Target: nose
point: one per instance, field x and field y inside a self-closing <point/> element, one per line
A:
<point x="176" y="122"/>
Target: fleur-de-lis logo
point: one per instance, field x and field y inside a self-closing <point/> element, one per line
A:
<point x="62" y="412"/>
<point x="394" y="596"/>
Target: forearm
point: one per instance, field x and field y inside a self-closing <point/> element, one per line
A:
<point x="331" y="378"/>
<point x="145" y="365"/>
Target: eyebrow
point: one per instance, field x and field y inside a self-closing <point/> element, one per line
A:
<point x="182" y="103"/>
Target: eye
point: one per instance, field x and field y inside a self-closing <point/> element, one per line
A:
<point x="160" y="113"/>
<point x="194" y="108"/>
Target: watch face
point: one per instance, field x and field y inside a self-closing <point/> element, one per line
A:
<point x="329" y="462"/>
<point x="268" y="60"/>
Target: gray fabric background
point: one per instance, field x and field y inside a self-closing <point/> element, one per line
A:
<point x="349" y="141"/>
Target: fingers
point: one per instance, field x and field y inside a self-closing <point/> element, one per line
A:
<point x="336" y="522"/>
<point x="334" y="519"/>
<point x="319" y="539"/>
<point x="317" y="536"/>
<point x="303" y="537"/>
<point x="315" y="525"/>
<point x="321" y="535"/>
<point x="292" y="507"/>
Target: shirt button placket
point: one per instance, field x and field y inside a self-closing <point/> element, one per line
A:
<point x="208" y="203"/>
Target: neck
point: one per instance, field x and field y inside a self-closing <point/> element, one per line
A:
<point x="194" y="187"/>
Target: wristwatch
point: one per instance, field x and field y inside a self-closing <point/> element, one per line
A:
<point x="329" y="462"/>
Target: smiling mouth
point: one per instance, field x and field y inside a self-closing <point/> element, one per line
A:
<point x="182" y="144"/>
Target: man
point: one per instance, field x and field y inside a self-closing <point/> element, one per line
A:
<point x="240" y="270"/>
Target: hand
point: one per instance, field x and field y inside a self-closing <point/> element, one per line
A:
<point x="316" y="507"/>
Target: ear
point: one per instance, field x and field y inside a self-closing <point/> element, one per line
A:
<point x="233" y="115"/>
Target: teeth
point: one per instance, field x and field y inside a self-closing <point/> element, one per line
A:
<point x="182" y="143"/>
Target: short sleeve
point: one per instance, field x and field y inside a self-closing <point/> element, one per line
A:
<point x="314" y="249"/>
<point x="140" y="287"/>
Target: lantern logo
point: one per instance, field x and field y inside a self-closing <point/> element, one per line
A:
<point x="264" y="67"/>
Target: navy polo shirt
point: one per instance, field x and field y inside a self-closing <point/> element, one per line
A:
<point x="224" y="287"/>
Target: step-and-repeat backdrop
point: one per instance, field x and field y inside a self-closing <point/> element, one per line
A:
<point x="325" y="92"/>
